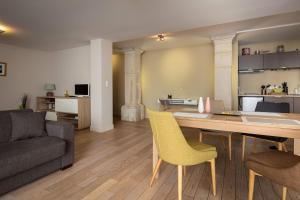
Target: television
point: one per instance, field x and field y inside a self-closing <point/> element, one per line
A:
<point x="82" y="90"/>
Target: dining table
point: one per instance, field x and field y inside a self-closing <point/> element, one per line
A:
<point x="259" y="123"/>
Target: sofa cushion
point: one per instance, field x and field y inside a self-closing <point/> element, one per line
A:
<point x="27" y="124"/>
<point x="22" y="155"/>
<point x="5" y="124"/>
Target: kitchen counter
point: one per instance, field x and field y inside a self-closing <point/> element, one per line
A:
<point x="272" y="95"/>
<point x="246" y="102"/>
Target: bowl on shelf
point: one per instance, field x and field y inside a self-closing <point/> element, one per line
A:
<point x="277" y="90"/>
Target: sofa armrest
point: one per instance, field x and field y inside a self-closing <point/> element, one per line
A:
<point x="64" y="131"/>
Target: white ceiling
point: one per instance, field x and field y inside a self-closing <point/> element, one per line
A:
<point x="254" y="31"/>
<point x="59" y="24"/>
<point x="270" y="35"/>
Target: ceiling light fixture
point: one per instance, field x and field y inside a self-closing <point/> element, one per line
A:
<point x="160" y="37"/>
<point x="2" y="29"/>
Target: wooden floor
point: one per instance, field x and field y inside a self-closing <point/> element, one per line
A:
<point x="117" y="165"/>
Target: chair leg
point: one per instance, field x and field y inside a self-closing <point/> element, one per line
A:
<point x="184" y="170"/>
<point x="179" y="182"/>
<point x="229" y="146"/>
<point x="284" y="147"/>
<point x="284" y="190"/>
<point x="243" y="147"/>
<point x="279" y="144"/>
<point x="200" y="136"/>
<point x="251" y="184"/>
<point x="213" y="176"/>
<point x="155" y="171"/>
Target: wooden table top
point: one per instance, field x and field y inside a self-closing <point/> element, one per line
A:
<point x="235" y="124"/>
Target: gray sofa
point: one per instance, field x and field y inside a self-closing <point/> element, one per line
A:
<point x="24" y="161"/>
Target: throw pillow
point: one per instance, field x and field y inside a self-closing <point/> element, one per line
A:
<point x="27" y="124"/>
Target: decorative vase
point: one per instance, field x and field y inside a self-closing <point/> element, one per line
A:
<point x="66" y="93"/>
<point x="207" y="105"/>
<point x="200" y="105"/>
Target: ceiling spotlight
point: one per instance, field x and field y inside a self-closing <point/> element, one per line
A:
<point x="2" y="29"/>
<point x="160" y="37"/>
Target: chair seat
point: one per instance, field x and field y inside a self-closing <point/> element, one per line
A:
<point x="199" y="146"/>
<point x="281" y="167"/>
<point x="203" y="152"/>
<point x="266" y="137"/>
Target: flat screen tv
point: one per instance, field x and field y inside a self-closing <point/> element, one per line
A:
<point x="82" y="90"/>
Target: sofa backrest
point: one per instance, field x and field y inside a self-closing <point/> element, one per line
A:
<point x="5" y="124"/>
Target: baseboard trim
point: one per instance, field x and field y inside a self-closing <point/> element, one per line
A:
<point x="102" y="129"/>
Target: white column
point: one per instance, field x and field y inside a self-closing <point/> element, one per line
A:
<point x="101" y="85"/>
<point x="223" y="65"/>
<point x="133" y="110"/>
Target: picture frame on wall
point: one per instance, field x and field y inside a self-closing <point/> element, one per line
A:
<point x="3" y="69"/>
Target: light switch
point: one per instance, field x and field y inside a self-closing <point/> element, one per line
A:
<point x="106" y="84"/>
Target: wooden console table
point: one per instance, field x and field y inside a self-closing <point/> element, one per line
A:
<point x="73" y="109"/>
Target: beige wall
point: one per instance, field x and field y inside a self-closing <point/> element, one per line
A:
<point x="183" y="72"/>
<point x="118" y="83"/>
<point x="29" y="70"/>
<point x="252" y="82"/>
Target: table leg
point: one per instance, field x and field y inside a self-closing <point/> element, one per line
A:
<point x="297" y="147"/>
<point x="155" y="157"/>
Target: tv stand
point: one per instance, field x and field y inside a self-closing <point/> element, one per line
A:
<point x="76" y="110"/>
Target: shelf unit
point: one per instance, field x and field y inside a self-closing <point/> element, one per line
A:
<point x="47" y="104"/>
<point x="76" y="110"/>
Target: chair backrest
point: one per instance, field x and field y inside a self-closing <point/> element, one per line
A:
<point x="217" y="106"/>
<point x="170" y="142"/>
<point x="264" y="106"/>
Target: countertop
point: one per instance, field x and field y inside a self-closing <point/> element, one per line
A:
<point x="271" y="95"/>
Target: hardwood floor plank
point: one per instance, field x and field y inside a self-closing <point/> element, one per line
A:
<point x="95" y="194"/>
<point x="192" y="184"/>
<point x="220" y="171"/>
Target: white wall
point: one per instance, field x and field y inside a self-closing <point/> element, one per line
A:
<point x="69" y="67"/>
<point x="26" y="73"/>
<point x="29" y="70"/>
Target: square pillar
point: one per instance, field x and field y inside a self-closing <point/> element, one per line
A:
<point x="223" y="67"/>
<point x="101" y="85"/>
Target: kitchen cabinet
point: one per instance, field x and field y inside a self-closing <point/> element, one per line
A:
<point x="283" y="60"/>
<point x="297" y="105"/>
<point x="271" y="61"/>
<point x="280" y="99"/>
<point x="250" y="63"/>
<point x="289" y="60"/>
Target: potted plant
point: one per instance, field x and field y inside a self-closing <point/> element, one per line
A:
<point x="23" y="104"/>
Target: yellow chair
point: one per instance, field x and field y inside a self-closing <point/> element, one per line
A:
<point x="174" y="149"/>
